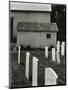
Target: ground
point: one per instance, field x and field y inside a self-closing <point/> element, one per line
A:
<point x="17" y="72"/>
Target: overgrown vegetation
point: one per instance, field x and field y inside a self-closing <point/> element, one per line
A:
<point x="17" y="72"/>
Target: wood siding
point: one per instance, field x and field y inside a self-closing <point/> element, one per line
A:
<point x="36" y="39"/>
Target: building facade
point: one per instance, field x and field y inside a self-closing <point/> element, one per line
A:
<point x="32" y="24"/>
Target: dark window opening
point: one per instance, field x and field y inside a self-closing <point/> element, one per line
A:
<point x="48" y="35"/>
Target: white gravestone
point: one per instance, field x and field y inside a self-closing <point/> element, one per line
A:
<point x="50" y="76"/>
<point x="46" y="52"/>
<point x="58" y="57"/>
<point x="63" y="48"/>
<point x="53" y="54"/>
<point x="27" y="65"/>
<point x="58" y="46"/>
<point x="19" y="54"/>
<point x="34" y="71"/>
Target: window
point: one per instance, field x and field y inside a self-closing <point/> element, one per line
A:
<point x="48" y="35"/>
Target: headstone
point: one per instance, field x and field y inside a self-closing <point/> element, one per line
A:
<point x="19" y="54"/>
<point x="46" y="52"/>
<point x="53" y="54"/>
<point x="58" y="46"/>
<point x="34" y="71"/>
<point x="63" y="48"/>
<point x="58" y="57"/>
<point x="27" y="65"/>
<point x="50" y="76"/>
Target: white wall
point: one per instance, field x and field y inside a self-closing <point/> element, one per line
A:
<point x="36" y="39"/>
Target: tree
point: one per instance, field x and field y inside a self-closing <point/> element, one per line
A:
<point x="58" y="15"/>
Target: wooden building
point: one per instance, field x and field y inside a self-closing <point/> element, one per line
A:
<point x="32" y="24"/>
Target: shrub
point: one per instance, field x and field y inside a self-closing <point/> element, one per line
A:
<point x="22" y="47"/>
<point x="50" y="48"/>
<point x="28" y="47"/>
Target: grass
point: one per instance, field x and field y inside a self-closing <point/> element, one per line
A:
<point x="17" y="72"/>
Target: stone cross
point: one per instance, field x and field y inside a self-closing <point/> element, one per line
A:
<point x="58" y="46"/>
<point x="19" y="54"/>
<point x="27" y="65"/>
<point x="63" y="48"/>
<point x="53" y="54"/>
<point x="34" y="71"/>
<point x="46" y="51"/>
<point x="50" y="76"/>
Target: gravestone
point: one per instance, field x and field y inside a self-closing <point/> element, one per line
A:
<point x="63" y="48"/>
<point x="58" y="46"/>
<point x="27" y="65"/>
<point x="58" y="57"/>
<point x="50" y="76"/>
<point x="46" y="52"/>
<point x="19" y="54"/>
<point x="53" y="54"/>
<point x="34" y="71"/>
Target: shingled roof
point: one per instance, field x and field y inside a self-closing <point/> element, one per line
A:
<point x="36" y="27"/>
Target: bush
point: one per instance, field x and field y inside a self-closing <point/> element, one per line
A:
<point x="22" y="47"/>
<point x="50" y="48"/>
<point x="28" y="47"/>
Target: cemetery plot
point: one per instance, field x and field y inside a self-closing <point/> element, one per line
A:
<point x="19" y="75"/>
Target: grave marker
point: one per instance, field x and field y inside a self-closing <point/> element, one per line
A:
<point x="46" y="52"/>
<point x="19" y="54"/>
<point x="53" y="54"/>
<point x="34" y="71"/>
<point x="58" y="46"/>
<point x="27" y="65"/>
<point x="58" y="57"/>
<point x="63" y="48"/>
<point x="50" y="76"/>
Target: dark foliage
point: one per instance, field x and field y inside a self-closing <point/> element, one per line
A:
<point x="58" y="15"/>
<point x="50" y="48"/>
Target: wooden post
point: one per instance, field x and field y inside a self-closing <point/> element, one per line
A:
<point x="53" y="54"/>
<point x="58" y="57"/>
<point x="63" y="48"/>
<point x="34" y="71"/>
<point x="19" y="54"/>
<point x="27" y="65"/>
<point x="46" y="52"/>
<point x="58" y="46"/>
